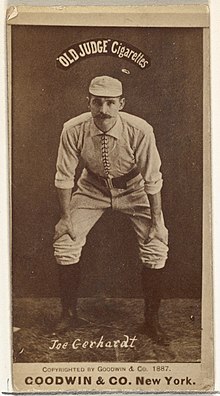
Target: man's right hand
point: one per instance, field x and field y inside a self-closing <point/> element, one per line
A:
<point x="63" y="227"/>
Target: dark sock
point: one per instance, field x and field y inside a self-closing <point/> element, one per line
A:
<point x="152" y="288"/>
<point x="69" y="279"/>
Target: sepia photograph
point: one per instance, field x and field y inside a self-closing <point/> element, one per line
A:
<point x="109" y="123"/>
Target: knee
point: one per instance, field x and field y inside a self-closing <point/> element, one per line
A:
<point x="153" y="254"/>
<point x="67" y="251"/>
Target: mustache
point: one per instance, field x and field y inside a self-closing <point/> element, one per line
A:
<point x="103" y="116"/>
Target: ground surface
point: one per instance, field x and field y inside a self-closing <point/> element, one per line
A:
<point x="112" y="319"/>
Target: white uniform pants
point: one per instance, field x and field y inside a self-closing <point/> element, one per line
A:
<point x="88" y="204"/>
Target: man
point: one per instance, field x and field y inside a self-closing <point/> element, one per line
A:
<point x="122" y="172"/>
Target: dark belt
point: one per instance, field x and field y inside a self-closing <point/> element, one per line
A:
<point x="115" y="182"/>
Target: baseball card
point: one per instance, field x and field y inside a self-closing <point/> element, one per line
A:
<point x="111" y="265"/>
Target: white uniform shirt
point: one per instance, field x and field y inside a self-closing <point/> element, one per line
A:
<point x="130" y="142"/>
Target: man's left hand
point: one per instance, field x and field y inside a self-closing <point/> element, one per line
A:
<point x="158" y="231"/>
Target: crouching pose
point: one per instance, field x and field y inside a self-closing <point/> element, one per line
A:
<point x="122" y="172"/>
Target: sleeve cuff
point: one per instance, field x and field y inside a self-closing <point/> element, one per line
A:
<point x="153" y="188"/>
<point x="64" y="184"/>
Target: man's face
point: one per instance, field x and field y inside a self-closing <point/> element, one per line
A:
<point x="105" y="110"/>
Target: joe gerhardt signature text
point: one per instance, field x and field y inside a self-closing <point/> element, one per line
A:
<point x="126" y="342"/>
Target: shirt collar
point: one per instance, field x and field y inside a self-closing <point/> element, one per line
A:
<point x="115" y="131"/>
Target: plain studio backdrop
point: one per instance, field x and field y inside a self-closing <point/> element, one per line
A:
<point x="168" y="95"/>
